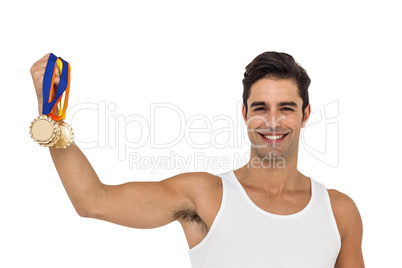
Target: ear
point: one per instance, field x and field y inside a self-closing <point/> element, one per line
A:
<point x="243" y="110"/>
<point x="307" y="113"/>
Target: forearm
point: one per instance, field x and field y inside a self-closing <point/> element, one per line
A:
<point x="79" y="178"/>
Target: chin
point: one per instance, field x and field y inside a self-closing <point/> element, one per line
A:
<point x="269" y="155"/>
<point x="267" y="160"/>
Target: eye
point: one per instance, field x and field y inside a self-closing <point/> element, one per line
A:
<point x="259" y="109"/>
<point x="287" y="109"/>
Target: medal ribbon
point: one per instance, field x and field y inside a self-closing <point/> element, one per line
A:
<point x="51" y="98"/>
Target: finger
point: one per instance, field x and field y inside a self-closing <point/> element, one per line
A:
<point x="38" y="74"/>
<point x="45" y="58"/>
<point x="56" y="81"/>
<point x="40" y="64"/>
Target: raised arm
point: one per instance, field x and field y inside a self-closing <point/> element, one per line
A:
<point x="134" y="204"/>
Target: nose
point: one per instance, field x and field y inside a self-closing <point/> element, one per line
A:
<point x="274" y="120"/>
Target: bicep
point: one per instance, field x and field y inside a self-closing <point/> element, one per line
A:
<point x="143" y="204"/>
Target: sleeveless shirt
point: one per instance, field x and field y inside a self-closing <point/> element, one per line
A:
<point x="243" y="235"/>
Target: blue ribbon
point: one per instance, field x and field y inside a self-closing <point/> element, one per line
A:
<point x="48" y="86"/>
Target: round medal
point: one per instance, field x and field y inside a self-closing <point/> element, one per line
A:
<point x="48" y="130"/>
<point x="66" y="136"/>
<point x="44" y="130"/>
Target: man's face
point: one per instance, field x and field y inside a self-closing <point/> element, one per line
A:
<point x="274" y="118"/>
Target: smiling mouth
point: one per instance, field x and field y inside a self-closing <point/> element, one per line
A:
<point x="273" y="138"/>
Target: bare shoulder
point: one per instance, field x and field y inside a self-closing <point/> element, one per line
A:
<point x="341" y="199"/>
<point x="350" y="228"/>
<point x="346" y="212"/>
<point x="194" y="181"/>
<point x="199" y="187"/>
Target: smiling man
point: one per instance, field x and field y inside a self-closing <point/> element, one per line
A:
<point x="264" y="214"/>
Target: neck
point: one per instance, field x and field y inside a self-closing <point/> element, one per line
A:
<point x="275" y="174"/>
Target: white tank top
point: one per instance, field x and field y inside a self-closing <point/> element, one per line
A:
<point x="245" y="236"/>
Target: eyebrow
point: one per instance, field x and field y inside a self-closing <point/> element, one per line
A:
<point x="280" y="104"/>
<point x="288" y="103"/>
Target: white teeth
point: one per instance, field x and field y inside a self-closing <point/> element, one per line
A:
<point x="273" y="137"/>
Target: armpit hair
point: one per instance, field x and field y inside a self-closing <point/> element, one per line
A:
<point x="188" y="215"/>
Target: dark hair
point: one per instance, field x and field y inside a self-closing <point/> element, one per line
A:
<point x="276" y="65"/>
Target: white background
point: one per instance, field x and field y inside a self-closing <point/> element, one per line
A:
<point x="130" y="54"/>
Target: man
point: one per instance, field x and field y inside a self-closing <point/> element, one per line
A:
<point x="264" y="214"/>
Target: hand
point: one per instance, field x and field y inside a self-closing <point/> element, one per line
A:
<point x="37" y="73"/>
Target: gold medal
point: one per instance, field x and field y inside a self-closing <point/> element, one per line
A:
<point x="66" y="136"/>
<point x="48" y="129"/>
<point x="44" y="130"/>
